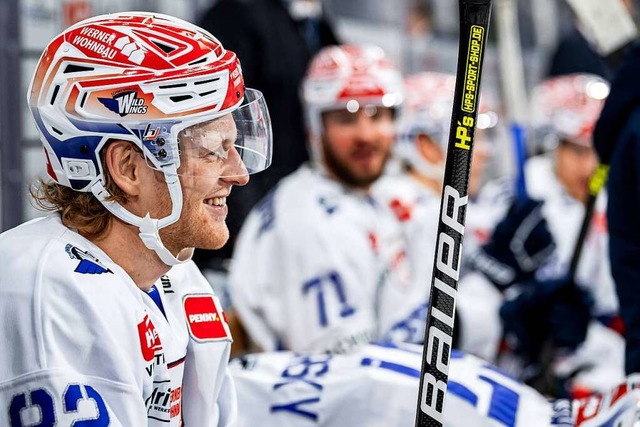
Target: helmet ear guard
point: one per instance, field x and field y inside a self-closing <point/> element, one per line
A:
<point x="143" y="78"/>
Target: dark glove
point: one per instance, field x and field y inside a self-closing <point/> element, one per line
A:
<point x="556" y="309"/>
<point x="569" y="315"/>
<point x="519" y="245"/>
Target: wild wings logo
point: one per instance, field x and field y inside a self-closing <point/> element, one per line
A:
<point x="88" y="263"/>
<point x="125" y="102"/>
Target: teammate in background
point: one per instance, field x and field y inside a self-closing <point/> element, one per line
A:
<point x="320" y="265"/>
<point x="377" y="386"/>
<point x="616" y="139"/>
<point x="424" y="131"/>
<point x="412" y="188"/>
<point x="146" y="126"/>
<point x="577" y="313"/>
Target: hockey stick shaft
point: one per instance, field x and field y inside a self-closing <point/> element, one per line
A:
<point x="474" y="25"/>
<point x="513" y="84"/>
<point x="597" y="181"/>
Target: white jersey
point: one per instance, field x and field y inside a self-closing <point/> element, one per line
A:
<point x="377" y="386"/>
<point x="319" y="267"/>
<point x="416" y="209"/>
<point x="83" y="342"/>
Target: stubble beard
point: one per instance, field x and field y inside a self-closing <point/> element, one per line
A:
<point x="345" y="174"/>
<point x="193" y="229"/>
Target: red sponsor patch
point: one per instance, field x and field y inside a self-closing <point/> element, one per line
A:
<point x="205" y="318"/>
<point x="403" y="211"/>
<point x="149" y="339"/>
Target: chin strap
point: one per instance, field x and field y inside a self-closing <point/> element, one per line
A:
<point x="150" y="227"/>
<point x="149" y="233"/>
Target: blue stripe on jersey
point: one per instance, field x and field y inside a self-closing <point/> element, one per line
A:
<point x="155" y="297"/>
<point x="462" y="392"/>
<point x="401" y="369"/>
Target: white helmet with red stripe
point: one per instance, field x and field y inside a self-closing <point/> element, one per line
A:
<point x="349" y="77"/>
<point x="427" y="111"/>
<point x="567" y="108"/>
<point x="142" y="78"/>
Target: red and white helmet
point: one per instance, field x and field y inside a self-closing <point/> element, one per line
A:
<point x="567" y="108"/>
<point x="143" y="78"/>
<point x="427" y="111"/>
<point x="349" y="77"/>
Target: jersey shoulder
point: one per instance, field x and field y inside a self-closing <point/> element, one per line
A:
<point x="59" y="292"/>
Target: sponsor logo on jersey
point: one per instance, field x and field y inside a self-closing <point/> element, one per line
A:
<point x="159" y="403"/>
<point x="166" y="285"/>
<point x="205" y="318"/>
<point x="88" y="263"/>
<point x="125" y="102"/>
<point x="403" y="211"/>
<point x="164" y="403"/>
<point x="149" y="339"/>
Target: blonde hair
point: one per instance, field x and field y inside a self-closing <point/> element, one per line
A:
<point x="79" y="210"/>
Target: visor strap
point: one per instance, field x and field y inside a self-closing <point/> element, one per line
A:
<point x="149" y="228"/>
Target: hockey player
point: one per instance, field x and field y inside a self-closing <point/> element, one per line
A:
<point x="146" y="126"/>
<point x="575" y="312"/>
<point x="424" y="130"/>
<point x="413" y="193"/>
<point x="320" y="265"/>
<point x="377" y="386"/>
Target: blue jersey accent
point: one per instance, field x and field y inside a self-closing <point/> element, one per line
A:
<point x="74" y="394"/>
<point x="154" y="294"/>
<point x="504" y="403"/>
<point x="39" y="398"/>
<point x="395" y="367"/>
<point x="328" y="206"/>
<point x="266" y="210"/>
<point x="295" y="407"/>
<point x="614" y="421"/>
<point x="462" y="392"/>
<point x="87" y="266"/>
<point x="88" y="263"/>
<point x="332" y="280"/>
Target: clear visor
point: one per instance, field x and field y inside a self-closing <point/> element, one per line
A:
<point x="234" y="145"/>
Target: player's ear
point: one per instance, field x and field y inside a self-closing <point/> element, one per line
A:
<point x="429" y="149"/>
<point x="125" y="164"/>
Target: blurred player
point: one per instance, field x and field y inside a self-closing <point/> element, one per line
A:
<point x="551" y="304"/>
<point x="377" y="386"/>
<point x="424" y="131"/>
<point x="413" y="193"/>
<point x="320" y="265"/>
<point x="146" y="126"/>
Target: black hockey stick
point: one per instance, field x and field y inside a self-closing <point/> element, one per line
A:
<point x="474" y="25"/>
<point x="597" y="181"/>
